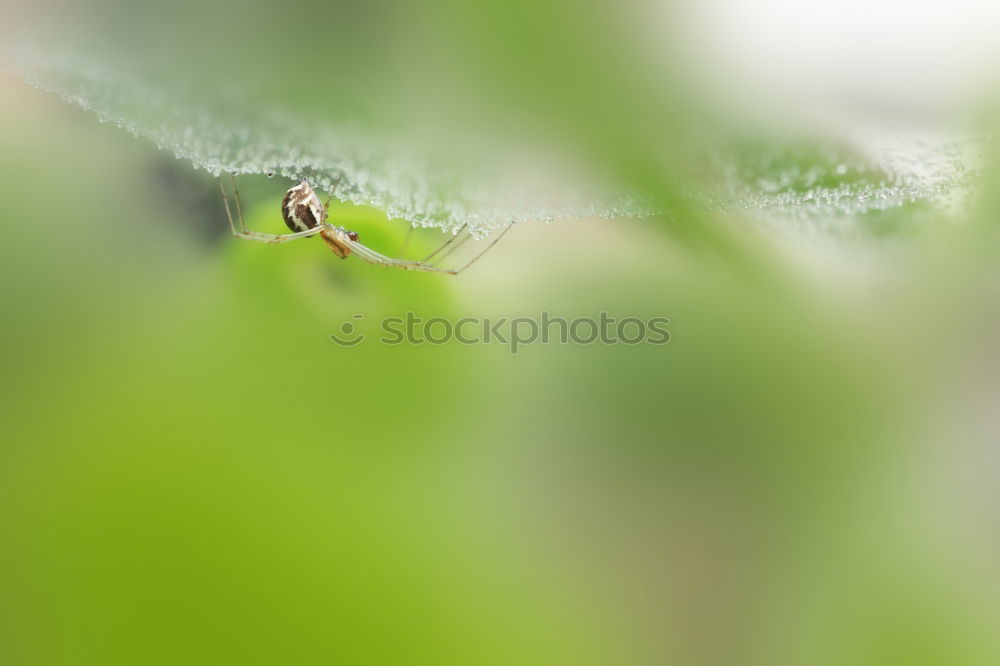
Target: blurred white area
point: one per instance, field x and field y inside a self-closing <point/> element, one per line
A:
<point x="898" y="59"/>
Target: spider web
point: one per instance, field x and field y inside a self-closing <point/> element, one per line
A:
<point x="363" y="168"/>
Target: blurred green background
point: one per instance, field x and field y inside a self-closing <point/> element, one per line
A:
<point x="192" y="472"/>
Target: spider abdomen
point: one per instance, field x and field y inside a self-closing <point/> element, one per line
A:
<point x="301" y="208"/>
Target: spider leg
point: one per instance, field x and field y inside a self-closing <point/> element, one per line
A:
<point x="258" y="236"/>
<point x="454" y="247"/>
<point x="373" y="257"/>
<point x="406" y="240"/>
<point x="445" y="244"/>
<point x="486" y="249"/>
<point x="229" y="215"/>
<point x="272" y="239"/>
<point x="239" y="208"/>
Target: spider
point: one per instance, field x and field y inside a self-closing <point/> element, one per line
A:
<point x="305" y="216"/>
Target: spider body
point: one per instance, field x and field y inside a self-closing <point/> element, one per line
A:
<point x="305" y="215"/>
<point x="302" y="210"/>
<point x="336" y="239"/>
